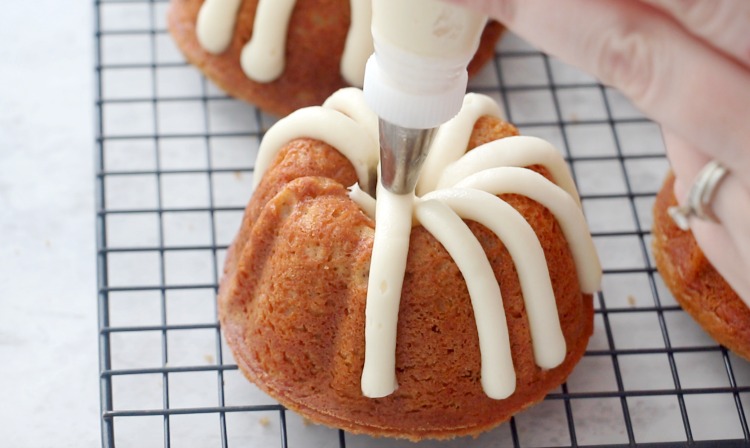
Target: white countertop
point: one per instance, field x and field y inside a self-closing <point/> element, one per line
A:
<point x="48" y="344"/>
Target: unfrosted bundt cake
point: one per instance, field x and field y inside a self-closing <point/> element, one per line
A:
<point x="696" y="285"/>
<point x="282" y="55"/>
<point x="418" y="325"/>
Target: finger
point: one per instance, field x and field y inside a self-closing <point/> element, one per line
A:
<point x="731" y="203"/>
<point x="726" y="245"/>
<point x="686" y="162"/>
<point x="732" y="207"/>
<point x="716" y="244"/>
<point x="671" y="75"/>
<point x="725" y="24"/>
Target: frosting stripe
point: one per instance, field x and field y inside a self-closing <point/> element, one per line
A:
<point x="519" y="151"/>
<point x="528" y="256"/>
<point x="350" y="101"/>
<point x="497" y="371"/>
<point x="263" y="57"/>
<point x="452" y="139"/>
<point x="363" y="200"/>
<point x="358" y="46"/>
<point x="536" y="187"/>
<point x="387" y="269"/>
<point x="318" y="123"/>
<point x="215" y="24"/>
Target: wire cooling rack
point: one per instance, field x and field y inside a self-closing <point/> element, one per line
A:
<point x="173" y="170"/>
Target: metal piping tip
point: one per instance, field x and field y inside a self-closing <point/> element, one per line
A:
<point x="402" y="153"/>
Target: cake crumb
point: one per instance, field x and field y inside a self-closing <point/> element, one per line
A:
<point x="264" y="422"/>
<point x="209" y="358"/>
<point x="631" y="300"/>
<point x="306" y="422"/>
<point x="237" y="174"/>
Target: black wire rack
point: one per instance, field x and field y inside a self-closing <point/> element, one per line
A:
<point x="173" y="171"/>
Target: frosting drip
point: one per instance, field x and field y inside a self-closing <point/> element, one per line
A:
<point x="454" y="186"/>
<point x="216" y="24"/>
<point x="263" y="57"/>
<point x="517" y="151"/>
<point x="558" y="201"/>
<point x="363" y="200"/>
<point x="498" y="376"/>
<point x="527" y="254"/>
<point x="358" y="46"/>
<point x="389" y="251"/>
<point x="452" y="139"/>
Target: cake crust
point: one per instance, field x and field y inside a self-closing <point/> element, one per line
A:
<point x="696" y="285"/>
<point x="315" y="43"/>
<point x="292" y="301"/>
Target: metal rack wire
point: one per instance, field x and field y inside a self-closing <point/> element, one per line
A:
<point x="174" y="159"/>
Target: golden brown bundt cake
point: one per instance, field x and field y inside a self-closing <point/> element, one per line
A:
<point x="294" y="300"/>
<point x="698" y="288"/>
<point x="314" y="37"/>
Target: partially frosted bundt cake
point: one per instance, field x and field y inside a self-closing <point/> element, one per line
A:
<point x="282" y="55"/>
<point x="696" y="285"/>
<point x="483" y="316"/>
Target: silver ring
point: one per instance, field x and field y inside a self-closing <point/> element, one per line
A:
<point x="701" y="195"/>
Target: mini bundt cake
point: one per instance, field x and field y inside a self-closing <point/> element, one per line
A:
<point x="698" y="288"/>
<point x="282" y="55"/>
<point x="419" y="324"/>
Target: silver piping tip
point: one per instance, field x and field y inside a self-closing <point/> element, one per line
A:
<point x="402" y="153"/>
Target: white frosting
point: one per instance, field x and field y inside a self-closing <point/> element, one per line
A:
<point x="389" y="251"/>
<point x="359" y="44"/>
<point x="263" y="57"/>
<point x="566" y="211"/>
<point x="216" y="24"/>
<point x="497" y="374"/>
<point x="363" y="200"/>
<point x="526" y="250"/>
<point x="318" y="123"/>
<point x="518" y="151"/>
<point x="452" y="139"/>
<point x="454" y="184"/>
<point x="351" y="102"/>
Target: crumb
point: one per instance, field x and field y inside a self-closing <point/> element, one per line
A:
<point x="631" y="300"/>
<point x="209" y="358"/>
<point x="574" y="118"/>
<point x="238" y="175"/>
<point x="306" y="422"/>
<point x="264" y="422"/>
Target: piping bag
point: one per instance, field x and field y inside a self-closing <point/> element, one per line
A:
<point x="415" y="81"/>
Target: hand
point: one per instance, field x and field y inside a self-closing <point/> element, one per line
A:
<point x="686" y="64"/>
